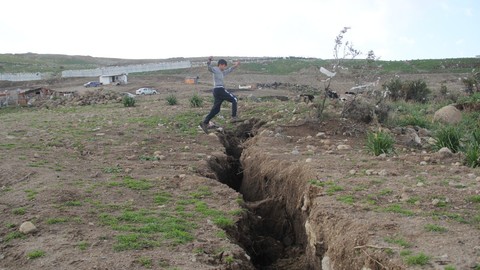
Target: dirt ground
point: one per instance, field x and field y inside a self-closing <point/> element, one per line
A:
<point x="97" y="181"/>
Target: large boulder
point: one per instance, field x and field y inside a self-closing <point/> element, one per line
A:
<point x="448" y="115"/>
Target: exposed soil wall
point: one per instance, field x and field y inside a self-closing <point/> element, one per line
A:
<point x="285" y="227"/>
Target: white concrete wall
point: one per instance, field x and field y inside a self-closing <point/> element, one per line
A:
<point x="98" y="71"/>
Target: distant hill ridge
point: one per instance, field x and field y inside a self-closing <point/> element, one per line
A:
<point x="56" y="63"/>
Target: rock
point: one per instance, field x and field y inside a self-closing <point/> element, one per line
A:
<point x="444" y="153"/>
<point x="370" y="172"/>
<point x="27" y="227"/>
<point x="326" y="264"/>
<point x="383" y="172"/>
<point x="435" y="202"/>
<point x="352" y="172"/>
<point x="448" y="115"/>
<point x="308" y="160"/>
<point x="321" y="135"/>
<point x="343" y="147"/>
<point x="423" y="132"/>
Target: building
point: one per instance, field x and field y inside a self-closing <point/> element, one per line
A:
<point x="191" y="80"/>
<point x="113" y="79"/>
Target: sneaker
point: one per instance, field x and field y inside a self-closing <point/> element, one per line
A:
<point x="204" y="127"/>
<point x="235" y="120"/>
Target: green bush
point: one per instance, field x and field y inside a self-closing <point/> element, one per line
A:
<point x="472" y="155"/>
<point x="414" y="119"/>
<point x="416" y="91"/>
<point x="172" y="100"/>
<point x="420" y="259"/>
<point x="380" y="143"/>
<point x="409" y="91"/>
<point x="449" y="137"/>
<point x="196" y="101"/>
<point x="128" y="101"/>
<point x="395" y="89"/>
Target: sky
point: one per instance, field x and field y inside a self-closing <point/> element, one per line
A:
<point x="144" y="29"/>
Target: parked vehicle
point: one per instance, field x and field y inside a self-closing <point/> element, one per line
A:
<point x="92" y="84"/>
<point x="146" y="91"/>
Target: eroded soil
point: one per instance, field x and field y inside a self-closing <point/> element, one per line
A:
<point x="111" y="187"/>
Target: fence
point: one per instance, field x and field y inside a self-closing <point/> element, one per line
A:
<point x="114" y="70"/>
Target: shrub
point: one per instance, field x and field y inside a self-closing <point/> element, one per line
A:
<point x="416" y="91"/>
<point x="472" y="155"/>
<point x="414" y="119"/>
<point x="449" y="137"/>
<point x="172" y="100"/>
<point x="420" y="259"/>
<point x="380" y="143"/>
<point x="410" y="90"/>
<point x="470" y="84"/>
<point x="128" y="101"/>
<point x="395" y="89"/>
<point x="196" y="101"/>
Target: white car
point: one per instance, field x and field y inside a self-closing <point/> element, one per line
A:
<point x="146" y="91"/>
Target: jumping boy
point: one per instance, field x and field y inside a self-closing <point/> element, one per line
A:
<point x="219" y="92"/>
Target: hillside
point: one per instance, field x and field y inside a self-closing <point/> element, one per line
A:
<point x="30" y="62"/>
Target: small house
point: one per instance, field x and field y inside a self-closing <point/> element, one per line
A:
<point x="113" y="79"/>
<point x="191" y="80"/>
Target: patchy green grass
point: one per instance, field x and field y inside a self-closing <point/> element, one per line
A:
<point x="31" y="194"/>
<point x="434" y="228"/>
<point x="348" y="199"/>
<point x="35" y="254"/>
<point x="13" y="235"/>
<point x="474" y="199"/>
<point x="147" y="228"/>
<point x="398" y="241"/>
<point x="397" y="208"/>
<point x="420" y="259"/>
<point x="162" y="198"/>
<point x="19" y="211"/>
<point x="142" y="184"/>
<point x="146" y="262"/>
<point x="56" y="220"/>
<point x="83" y="245"/>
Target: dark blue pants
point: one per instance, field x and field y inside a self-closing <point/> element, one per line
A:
<point x="220" y="95"/>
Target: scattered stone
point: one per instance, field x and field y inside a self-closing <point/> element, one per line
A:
<point x="352" y="172"/>
<point x="295" y="151"/>
<point x="343" y="147"/>
<point x="308" y="160"/>
<point x="326" y="264"/>
<point x="444" y="153"/>
<point x="326" y="142"/>
<point x="404" y="197"/>
<point x="383" y="172"/>
<point x="420" y="184"/>
<point x="321" y="135"/>
<point x="471" y="176"/>
<point x="369" y="172"/>
<point x="423" y="163"/>
<point x="423" y="132"/>
<point x="435" y="202"/>
<point x="27" y="227"/>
